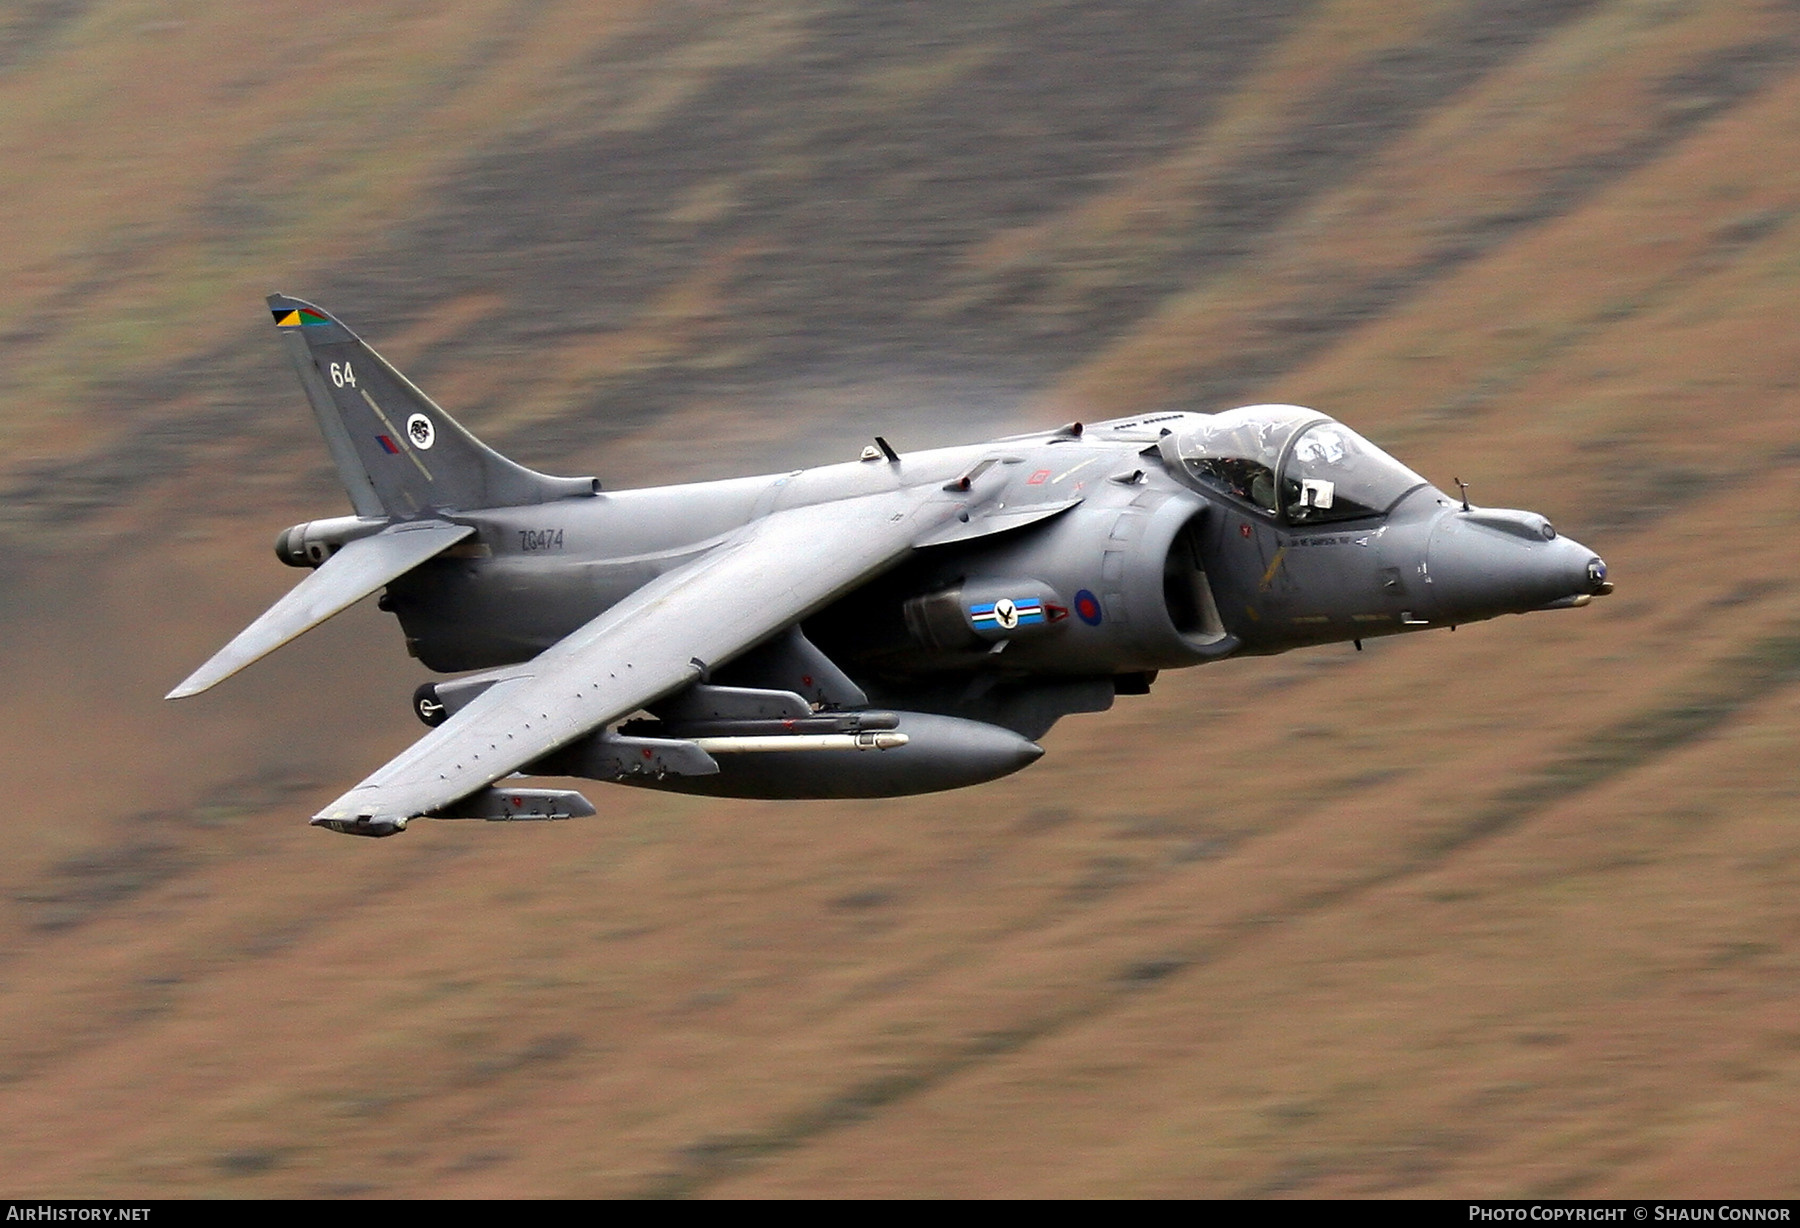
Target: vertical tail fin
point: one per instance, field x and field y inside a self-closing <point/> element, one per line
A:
<point x="397" y="453"/>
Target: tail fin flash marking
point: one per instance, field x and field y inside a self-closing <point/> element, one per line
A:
<point x="297" y="317"/>
<point x="392" y="434"/>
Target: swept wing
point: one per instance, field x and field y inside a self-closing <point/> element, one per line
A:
<point x="663" y="637"/>
<point x="355" y="571"/>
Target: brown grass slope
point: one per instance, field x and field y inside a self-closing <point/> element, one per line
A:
<point x="1509" y="911"/>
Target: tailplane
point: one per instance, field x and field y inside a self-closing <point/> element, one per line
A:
<point x="397" y="453"/>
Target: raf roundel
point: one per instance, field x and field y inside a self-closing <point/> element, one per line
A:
<point x="1087" y="608"/>
<point x="421" y="432"/>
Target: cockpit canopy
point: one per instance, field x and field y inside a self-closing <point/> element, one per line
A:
<point x="1289" y="462"/>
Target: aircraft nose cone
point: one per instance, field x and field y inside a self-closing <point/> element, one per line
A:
<point x="1596" y="574"/>
<point x="1496" y="561"/>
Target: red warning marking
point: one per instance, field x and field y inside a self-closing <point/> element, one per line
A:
<point x="646" y="752"/>
<point x="1038" y="478"/>
<point x="1243" y="530"/>
<point x="805" y="679"/>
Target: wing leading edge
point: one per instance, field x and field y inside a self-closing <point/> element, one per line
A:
<point x="663" y="637"/>
<point x="344" y="579"/>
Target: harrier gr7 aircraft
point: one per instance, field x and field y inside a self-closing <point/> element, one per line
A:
<point x="895" y="624"/>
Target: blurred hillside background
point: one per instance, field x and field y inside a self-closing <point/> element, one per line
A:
<point x="1514" y="911"/>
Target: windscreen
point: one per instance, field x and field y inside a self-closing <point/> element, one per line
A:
<point x="1332" y="473"/>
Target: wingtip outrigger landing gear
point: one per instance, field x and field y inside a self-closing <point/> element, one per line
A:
<point x="491" y="805"/>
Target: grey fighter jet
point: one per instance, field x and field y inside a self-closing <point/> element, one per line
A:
<point x="895" y="624"/>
